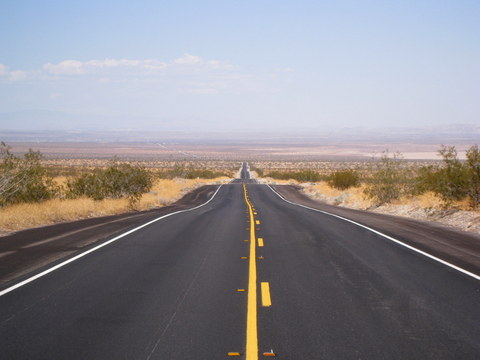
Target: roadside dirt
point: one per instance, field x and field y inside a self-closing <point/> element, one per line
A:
<point x="28" y="250"/>
<point x="457" y="247"/>
<point x="416" y="208"/>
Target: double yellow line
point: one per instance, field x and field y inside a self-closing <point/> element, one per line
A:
<point x="251" y="352"/>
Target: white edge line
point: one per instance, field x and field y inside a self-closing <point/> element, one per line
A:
<point x="58" y="266"/>
<point x="466" y="272"/>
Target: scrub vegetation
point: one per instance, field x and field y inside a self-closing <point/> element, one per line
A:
<point x="389" y="178"/>
<point x="345" y="179"/>
<point x="115" y="182"/>
<point x="24" y="179"/>
<point x="181" y="171"/>
<point x="35" y="193"/>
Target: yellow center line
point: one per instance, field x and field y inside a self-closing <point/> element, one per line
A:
<point x="251" y="352"/>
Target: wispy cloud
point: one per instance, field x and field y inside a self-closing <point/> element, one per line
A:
<point x="66" y="67"/>
<point x="75" y="67"/>
<point x="12" y="75"/>
<point x="188" y="59"/>
<point x="189" y="74"/>
<point x="191" y="88"/>
<point x="148" y="67"/>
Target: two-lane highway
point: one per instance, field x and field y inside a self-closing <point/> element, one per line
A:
<point x="247" y="275"/>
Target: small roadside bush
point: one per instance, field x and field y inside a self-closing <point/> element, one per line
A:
<point x="116" y="181"/>
<point x="456" y="179"/>
<point x="473" y="175"/>
<point x="343" y="180"/>
<point x="388" y="179"/>
<point x="24" y="180"/>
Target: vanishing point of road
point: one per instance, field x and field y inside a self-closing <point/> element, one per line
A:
<point x="244" y="275"/>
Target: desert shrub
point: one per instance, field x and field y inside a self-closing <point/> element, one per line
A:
<point x="426" y="180"/>
<point x="343" y="180"/>
<point x="116" y="181"/>
<point x="473" y="175"/>
<point x="24" y="179"/>
<point x="300" y="176"/>
<point x="452" y="179"/>
<point x="456" y="179"/>
<point x="190" y="173"/>
<point x="388" y="179"/>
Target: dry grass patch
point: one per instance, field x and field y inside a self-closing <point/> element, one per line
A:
<point x="426" y="207"/>
<point x="166" y="191"/>
<point x="24" y="216"/>
<point x="352" y="197"/>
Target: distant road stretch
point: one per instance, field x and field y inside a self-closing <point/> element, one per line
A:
<point x="246" y="275"/>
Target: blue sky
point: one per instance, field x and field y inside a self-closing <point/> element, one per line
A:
<point x="233" y="65"/>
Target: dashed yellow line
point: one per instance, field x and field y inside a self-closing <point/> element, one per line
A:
<point x="260" y="242"/>
<point x="266" y="299"/>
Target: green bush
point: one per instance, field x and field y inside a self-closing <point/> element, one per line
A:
<point x="456" y="179"/>
<point x="24" y="179"/>
<point x="343" y="180"/>
<point x="388" y="180"/>
<point x="116" y="181"/>
<point x="473" y="175"/>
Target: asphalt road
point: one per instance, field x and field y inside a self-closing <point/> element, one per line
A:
<point x="37" y="248"/>
<point x="169" y="290"/>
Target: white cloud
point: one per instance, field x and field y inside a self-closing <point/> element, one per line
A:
<point x="188" y="74"/>
<point x="65" y="67"/>
<point x="18" y="75"/>
<point x="110" y="63"/>
<point x="149" y="64"/>
<point x="137" y="68"/>
<point x="75" y="67"/>
<point x="188" y="59"/>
